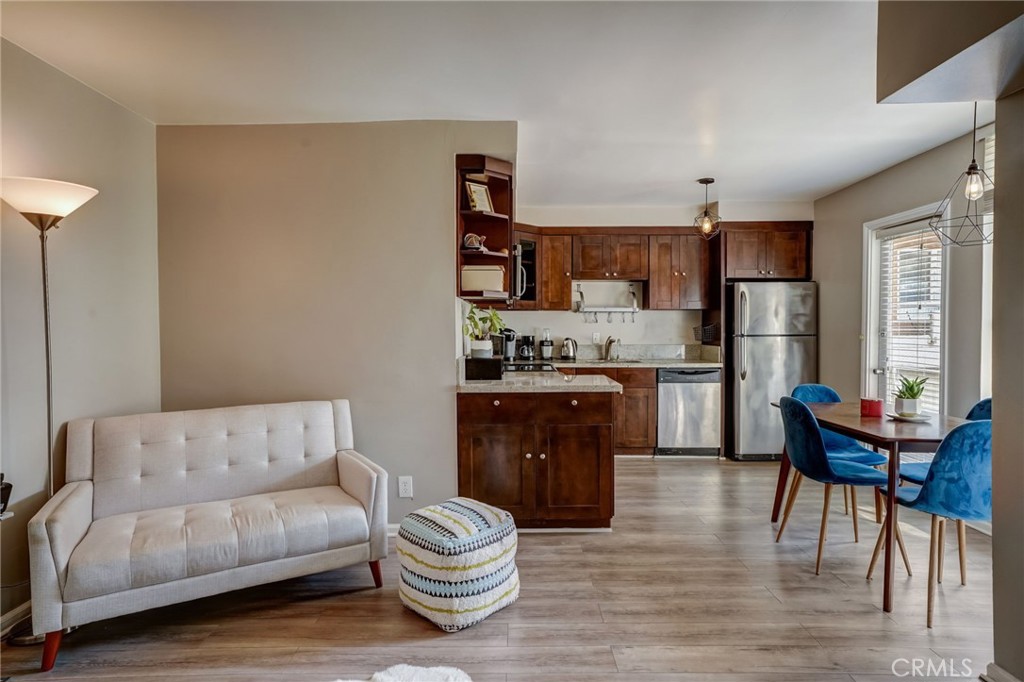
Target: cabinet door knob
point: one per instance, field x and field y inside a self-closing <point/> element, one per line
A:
<point x="771" y="272"/>
<point x="684" y="274"/>
<point x="676" y="273"/>
<point x="575" y="403"/>
<point x="543" y="456"/>
<point x="567" y="274"/>
<point x="760" y="272"/>
<point x="606" y="274"/>
<point x="615" y="274"/>
<point x="497" y="402"/>
<point x="529" y="455"/>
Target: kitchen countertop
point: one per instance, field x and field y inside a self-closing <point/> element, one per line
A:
<point x="639" y="364"/>
<point x="542" y="382"/>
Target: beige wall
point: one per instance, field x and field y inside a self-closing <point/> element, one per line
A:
<point x="318" y="261"/>
<point x="1008" y="388"/>
<point x="103" y="279"/>
<point x="838" y="265"/>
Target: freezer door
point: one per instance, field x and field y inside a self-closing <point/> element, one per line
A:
<point x="767" y="368"/>
<point x="775" y="308"/>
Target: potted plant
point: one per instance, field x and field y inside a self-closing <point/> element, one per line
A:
<point x="479" y="327"/>
<point x="908" y="395"/>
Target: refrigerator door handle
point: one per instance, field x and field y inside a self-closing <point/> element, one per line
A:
<point x="743" y="358"/>
<point x="743" y="312"/>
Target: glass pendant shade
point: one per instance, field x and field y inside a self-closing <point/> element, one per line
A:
<point x="44" y="202"/>
<point x="970" y="228"/>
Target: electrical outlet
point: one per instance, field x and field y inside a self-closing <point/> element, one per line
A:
<point x="595" y="337"/>
<point x="405" y="486"/>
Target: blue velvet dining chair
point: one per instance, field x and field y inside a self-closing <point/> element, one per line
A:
<point x="958" y="486"/>
<point x="838" y="448"/>
<point x="806" y="447"/>
<point x="916" y="472"/>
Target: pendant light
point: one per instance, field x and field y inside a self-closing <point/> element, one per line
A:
<point x="707" y="224"/>
<point x="968" y="229"/>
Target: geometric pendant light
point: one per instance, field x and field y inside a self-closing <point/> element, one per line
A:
<point x="968" y="228"/>
<point x="707" y="224"/>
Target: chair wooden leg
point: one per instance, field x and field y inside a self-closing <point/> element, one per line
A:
<point x="824" y="527"/>
<point x="794" y="488"/>
<point x="932" y="567"/>
<point x="879" y="505"/>
<point x="961" y="541"/>
<point x="378" y="579"/>
<point x="903" y="550"/>
<point x="853" y="502"/>
<point x="877" y="552"/>
<point x="50" y="648"/>
<point x="942" y="548"/>
<point x="846" y="500"/>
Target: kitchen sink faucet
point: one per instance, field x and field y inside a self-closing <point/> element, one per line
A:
<point x="611" y="346"/>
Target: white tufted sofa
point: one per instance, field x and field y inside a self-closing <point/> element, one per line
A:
<point x="167" y="507"/>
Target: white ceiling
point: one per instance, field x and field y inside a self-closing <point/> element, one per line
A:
<point x="621" y="104"/>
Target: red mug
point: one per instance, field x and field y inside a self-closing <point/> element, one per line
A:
<point x="870" y="407"/>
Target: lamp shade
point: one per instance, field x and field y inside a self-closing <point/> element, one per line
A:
<point x="44" y="197"/>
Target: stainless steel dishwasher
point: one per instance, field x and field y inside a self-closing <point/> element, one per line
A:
<point x="689" y="412"/>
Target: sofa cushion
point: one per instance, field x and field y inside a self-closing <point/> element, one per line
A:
<point x="143" y="548"/>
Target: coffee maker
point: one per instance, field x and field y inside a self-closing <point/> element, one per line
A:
<point x="508" y="337"/>
<point x="526" y="350"/>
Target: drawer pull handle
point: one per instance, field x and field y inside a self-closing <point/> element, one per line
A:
<point x="543" y="456"/>
<point x="575" y="403"/>
<point x="497" y="402"/>
<point x="529" y="455"/>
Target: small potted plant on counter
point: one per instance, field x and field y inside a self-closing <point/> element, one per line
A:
<point x="479" y="327"/>
<point x="908" y="396"/>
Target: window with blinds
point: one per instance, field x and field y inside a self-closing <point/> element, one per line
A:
<point x="910" y="311"/>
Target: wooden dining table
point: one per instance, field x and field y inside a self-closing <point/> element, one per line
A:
<point x="883" y="433"/>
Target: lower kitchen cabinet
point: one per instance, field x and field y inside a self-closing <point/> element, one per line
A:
<point x="493" y="467"/>
<point x="549" y="465"/>
<point x="636" y="408"/>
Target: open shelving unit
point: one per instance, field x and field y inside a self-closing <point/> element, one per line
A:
<point x="495" y="226"/>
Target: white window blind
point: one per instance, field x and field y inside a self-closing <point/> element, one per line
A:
<point x="989" y="164"/>
<point x="910" y="311"/>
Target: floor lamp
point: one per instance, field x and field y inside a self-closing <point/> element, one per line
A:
<point x="44" y="203"/>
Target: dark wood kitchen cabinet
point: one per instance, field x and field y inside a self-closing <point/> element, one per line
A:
<point x="545" y="457"/>
<point x="622" y="257"/>
<point x="767" y="254"/>
<point x="555" y="275"/>
<point x="678" y="273"/>
<point x="636" y="408"/>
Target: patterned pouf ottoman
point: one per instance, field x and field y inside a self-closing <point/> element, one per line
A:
<point x="458" y="562"/>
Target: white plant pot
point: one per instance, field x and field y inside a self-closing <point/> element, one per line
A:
<point x="481" y="348"/>
<point x="905" y="407"/>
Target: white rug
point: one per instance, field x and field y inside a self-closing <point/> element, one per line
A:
<point x="409" y="673"/>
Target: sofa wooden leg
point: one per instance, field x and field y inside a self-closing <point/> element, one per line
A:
<point x="378" y="579"/>
<point x="50" y="647"/>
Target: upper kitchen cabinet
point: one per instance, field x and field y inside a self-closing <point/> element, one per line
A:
<point x="678" y="273"/>
<point x="556" y="272"/>
<point x="623" y="257"/>
<point x="484" y="229"/>
<point x="768" y="250"/>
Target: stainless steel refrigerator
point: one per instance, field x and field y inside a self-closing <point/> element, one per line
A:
<point x="774" y="347"/>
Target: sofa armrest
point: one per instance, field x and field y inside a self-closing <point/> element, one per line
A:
<point x="368" y="483"/>
<point x="53" y="534"/>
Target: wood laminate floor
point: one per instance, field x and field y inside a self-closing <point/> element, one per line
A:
<point x="690" y="587"/>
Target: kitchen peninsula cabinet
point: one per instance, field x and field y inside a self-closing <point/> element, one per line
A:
<point x="678" y="273"/>
<point x="610" y="256"/>
<point x="767" y="253"/>
<point x="545" y="457"/>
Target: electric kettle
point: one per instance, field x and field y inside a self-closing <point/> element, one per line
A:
<point x="569" y="349"/>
